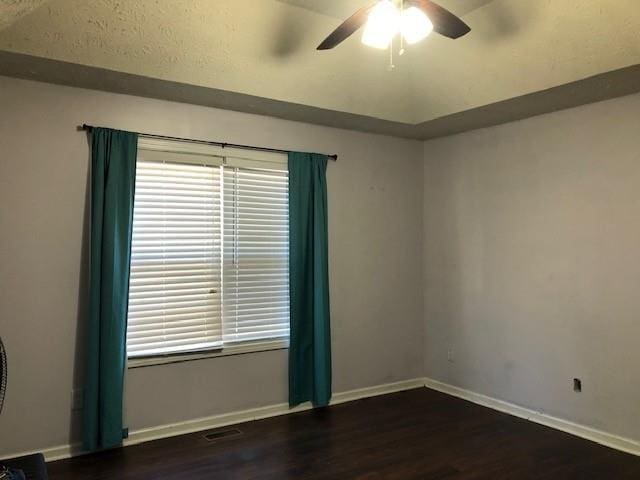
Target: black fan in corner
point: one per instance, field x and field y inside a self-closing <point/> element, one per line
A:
<point x="3" y="373"/>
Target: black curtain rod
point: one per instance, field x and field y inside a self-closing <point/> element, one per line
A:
<point x="88" y="128"/>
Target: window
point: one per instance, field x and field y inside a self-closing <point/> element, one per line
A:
<point x="210" y="250"/>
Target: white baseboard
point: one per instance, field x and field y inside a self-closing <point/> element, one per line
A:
<point x="603" y="438"/>
<point x="216" y="421"/>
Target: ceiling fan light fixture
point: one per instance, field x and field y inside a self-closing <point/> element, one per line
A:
<point x="382" y="25"/>
<point x="414" y="25"/>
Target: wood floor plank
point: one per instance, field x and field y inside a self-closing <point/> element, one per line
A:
<point x="420" y="434"/>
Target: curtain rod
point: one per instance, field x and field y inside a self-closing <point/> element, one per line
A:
<point x="88" y="128"/>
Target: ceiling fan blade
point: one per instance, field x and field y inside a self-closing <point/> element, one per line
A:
<point x="444" y="22"/>
<point x="346" y="29"/>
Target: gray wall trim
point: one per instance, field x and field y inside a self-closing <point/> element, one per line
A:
<point x="600" y="87"/>
<point x="75" y="75"/>
<point x="605" y="86"/>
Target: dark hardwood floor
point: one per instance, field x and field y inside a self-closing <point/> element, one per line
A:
<point x="419" y="434"/>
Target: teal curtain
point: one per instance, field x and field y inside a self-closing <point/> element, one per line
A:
<point x="310" y="339"/>
<point x="113" y="169"/>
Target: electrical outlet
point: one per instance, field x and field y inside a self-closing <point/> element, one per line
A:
<point x="577" y="385"/>
<point x="77" y="399"/>
<point x="450" y="355"/>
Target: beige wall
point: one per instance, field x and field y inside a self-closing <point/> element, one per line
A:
<point x="375" y="205"/>
<point x="532" y="263"/>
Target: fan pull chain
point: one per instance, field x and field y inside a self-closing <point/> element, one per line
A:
<point x="391" y="65"/>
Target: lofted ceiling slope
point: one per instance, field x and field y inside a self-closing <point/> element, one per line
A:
<point x="260" y="56"/>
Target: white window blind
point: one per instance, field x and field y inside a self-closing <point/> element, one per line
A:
<point x="210" y="254"/>
<point x="174" y="287"/>
<point x="256" y="254"/>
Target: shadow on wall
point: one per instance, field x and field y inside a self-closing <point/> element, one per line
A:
<point x="75" y="427"/>
<point x="498" y="20"/>
<point x="287" y="36"/>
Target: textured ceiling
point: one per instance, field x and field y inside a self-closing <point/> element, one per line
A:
<point x="266" y="49"/>
<point x="12" y="10"/>
<point x="341" y="9"/>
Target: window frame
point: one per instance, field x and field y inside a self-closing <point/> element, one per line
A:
<point x="213" y="155"/>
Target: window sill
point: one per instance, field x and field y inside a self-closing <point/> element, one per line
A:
<point x="238" y="349"/>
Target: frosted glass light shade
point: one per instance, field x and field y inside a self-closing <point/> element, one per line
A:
<point x="382" y="24"/>
<point x="414" y="25"/>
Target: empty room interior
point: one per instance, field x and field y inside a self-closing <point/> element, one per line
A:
<point x="319" y="239"/>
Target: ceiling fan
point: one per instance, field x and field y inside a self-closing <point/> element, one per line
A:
<point x="413" y="19"/>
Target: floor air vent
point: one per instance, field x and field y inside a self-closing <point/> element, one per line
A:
<point x="216" y="435"/>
